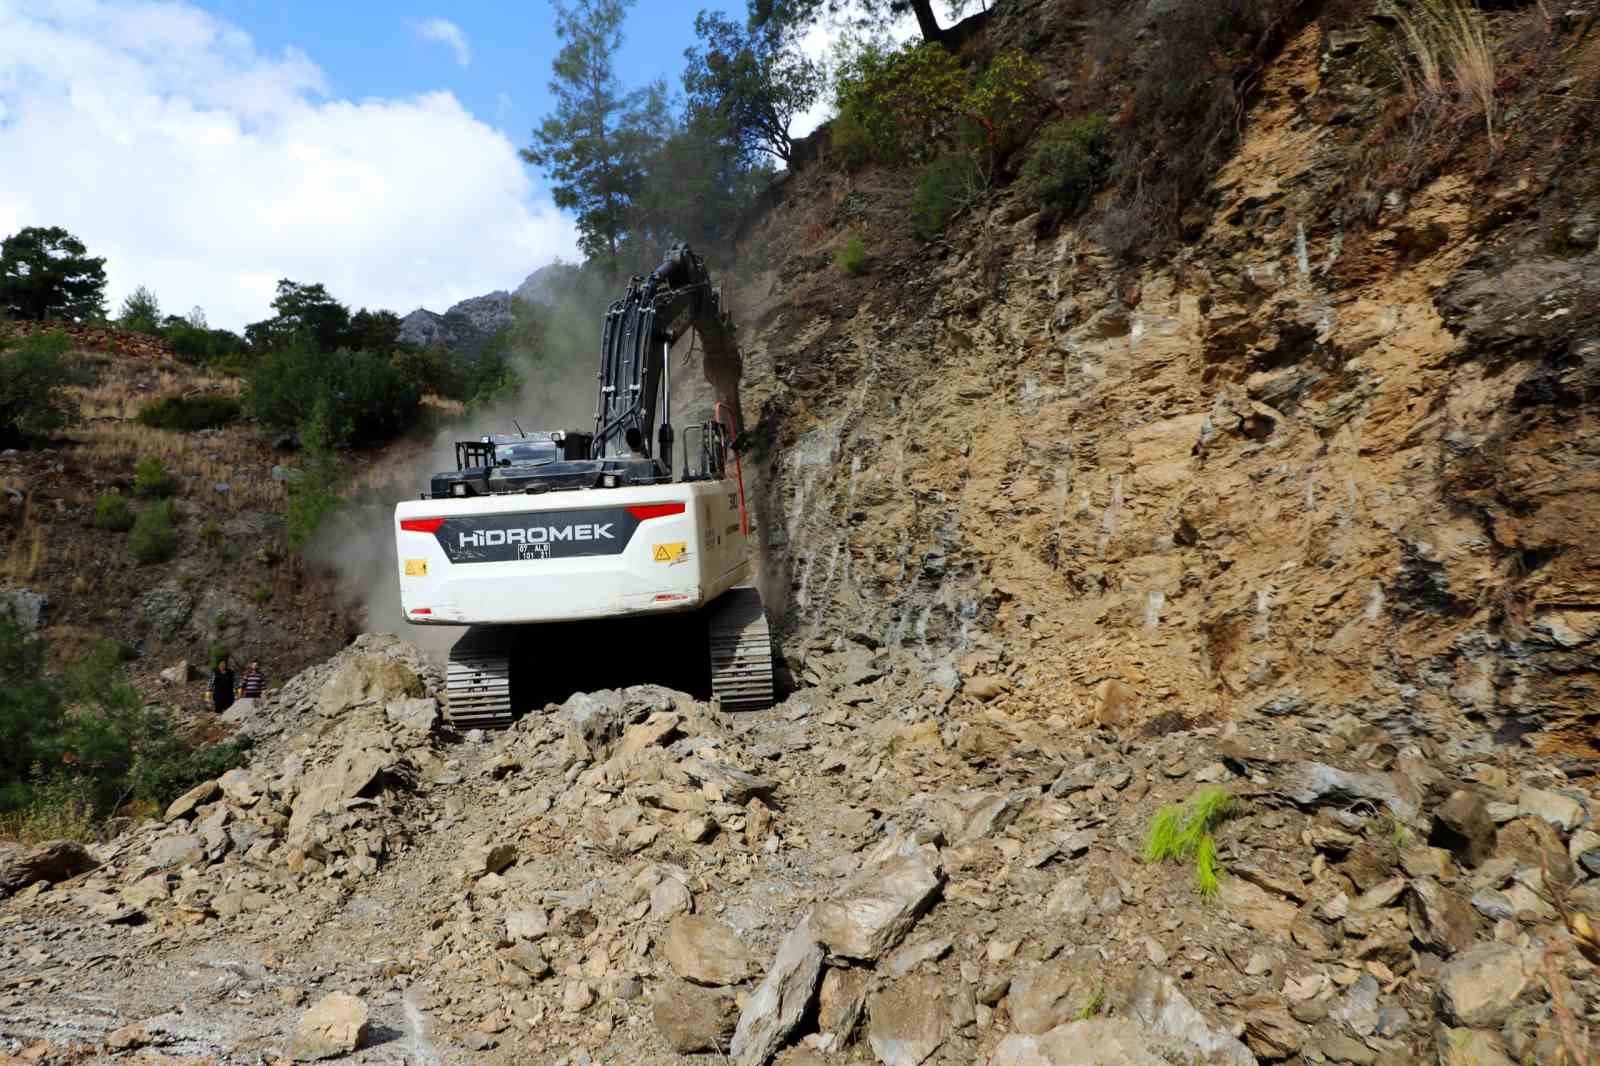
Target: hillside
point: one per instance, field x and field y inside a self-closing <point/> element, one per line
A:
<point x="1191" y="642"/>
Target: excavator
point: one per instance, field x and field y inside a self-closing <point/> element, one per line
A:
<point x="567" y="553"/>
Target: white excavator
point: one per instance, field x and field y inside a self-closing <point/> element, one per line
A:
<point x="558" y="548"/>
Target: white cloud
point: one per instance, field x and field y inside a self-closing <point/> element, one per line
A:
<point x="200" y="167"/>
<point x="443" y="31"/>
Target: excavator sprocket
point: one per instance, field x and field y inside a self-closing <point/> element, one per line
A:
<point x="478" y="683"/>
<point x="741" y="651"/>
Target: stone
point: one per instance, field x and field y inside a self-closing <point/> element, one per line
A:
<point x="182" y="849"/>
<point x="1266" y="913"/>
<point x="418" y="715"/>
<point x="1269" y="1030"/>
<point x="336" y="1025"/>
<point x="577" y="997"/>
<point x="691" y="1018"/>
<point x="147" y="890"/>
<point x="1462" y="826"/>
<point x="910" y="956"/>
<point x="590" y="721"/>
<point x="994" y="812"/>
<point x="1493" y="905"/>
<point x="722" y="783"/>
<point x="179" y="673"/>
<point x="1070" y="899"/>
<point x="165" y="608"/>
<point x="357" y="768"/>
<point x="706" y="952"/>
<point x="185" y="804"/>
<point x="1158" y="1005"/>
<point x="527" y="924"/>
<point x="655" y="731"/>
<point x="1563" y="812"/>
<point x="1341" y="1048"/>
<point x="366" y="678"/>
<point x="1440" y="918"/>
<point x="1469" y="1047"/>
<point x="483" y="856"/>
<point x="55" y="861"/>
<point x="1481" y="985"/>
<point x="1313" y="784"/>
<point x="1048" y="996"/>
<point x="1536" y="843"/>
<point x="878" y="909"/>
<point x="24" y="607"/>
<point x="240" y="786"/>
<point x="670" y="898"/>
<point x="906" y="1022"/>
<point x="840" y="1004"/>
<point x="1358" y="1008"/>
<point x="243" y="712"/>
<point x="1379" y="896"/>
<point x="526" y="956"/>
<point x="1584" y="847"/>
<point x="783" y="998"/>
<point x="1094" y="1042"/>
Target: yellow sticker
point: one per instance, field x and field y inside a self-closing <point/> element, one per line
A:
<point x="671" y="553"/>
<point x="416" y="568"/>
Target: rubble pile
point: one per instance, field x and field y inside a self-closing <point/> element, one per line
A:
<point x="636" y="876"/>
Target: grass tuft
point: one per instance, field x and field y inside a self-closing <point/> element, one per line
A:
<point x="1182" y="833"/>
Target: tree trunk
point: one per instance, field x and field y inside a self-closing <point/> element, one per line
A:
<point x="926" y="22"/>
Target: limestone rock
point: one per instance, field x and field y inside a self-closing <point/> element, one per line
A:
<point x="1563" y="812"/>
<point x="359" y="766"/>
<point x="240" y="786"/>
<point x="706" y="952"/>
<point x="906" y="1021"/>
<point x="1094" y="1042"/>
<point x="1462" y="824"/>
<point x="366" y="678"/>
<point x="878" y="910"/>
<point x="840" y="1004"/>
<point x="1048" y="996"/>
<point x="1157" y="1004"/>
<point x="1440" y="918"/>
<point x="55" y="861"/>
<point x="418" y="715"/>
<point x="783" y="998"/>
<point x="182" y="849"/>
<point x="335" y="1026"/>
<point x="691" y="1018"/>
<point x="1472" y="1047"/>
<point x="483" y="856"/>
<point x="179" y="673"/>
<point x="1480" y="986"/>
<point x="1269" y="1030"/>
<point x="1312" y="784"/>
<point x="527" y="924"/>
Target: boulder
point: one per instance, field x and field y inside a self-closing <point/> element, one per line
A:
<point x="1439" y="918"/>
<point x="1481" y="985"/>
<point x="783" y="998"/>
<point x="1563" y="812"/>
<point x="907" y="1021"/>
<point x="180" y="849"/>
<point x="25" y="607"/>
<point x="335" y="1026"/>
<point x="1157" y="1004"/>
<point x="1094" y="1042"/>
<point x="55" y="861"/>
<point x="656" y="730"/>
<point x="185" y="804"/>
<point x="878" y="909"/>
<point x="350" y="773"/>
<point x="1048" y="996"/>
<point x="242" y="711"/>
<point x="179" y="673"/>
<point x="840" y="1005"/>
<point x="1313" y="784"/>
<point x="1462" y="825"/>
<point x="706" y="952"/>
<point x="691" y="1018"/>
<point x="418" y="715"/>
<point x="591" y="721"/>
<point x="366" y="678"/>
<point x="241" y="787"/>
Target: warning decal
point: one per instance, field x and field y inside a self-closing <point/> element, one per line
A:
<point x="416" y="568"/>
<point x="670" y="553"/>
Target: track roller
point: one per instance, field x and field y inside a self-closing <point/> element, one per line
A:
<point x="741" y="651"/>
<point x="478" y="683"/>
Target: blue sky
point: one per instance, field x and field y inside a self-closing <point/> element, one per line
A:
<point x="208" y="148"/>
<point x="375" y="49"/>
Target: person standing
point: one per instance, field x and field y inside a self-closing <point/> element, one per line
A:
<point x="251" y="683"/>
<point x="221" y="687"/>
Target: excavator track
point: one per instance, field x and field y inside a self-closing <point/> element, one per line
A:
<point x="478" y="682"/>
<point x="741" y="651"/>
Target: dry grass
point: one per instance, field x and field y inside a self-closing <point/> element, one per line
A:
<point x="231" y="456"/>
<point x="27" y="552"/>
<point x="1448" y="57"/>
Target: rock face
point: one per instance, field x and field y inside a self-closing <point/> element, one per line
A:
<point x="464" y="330"/>
<point x="336" y="1026"/>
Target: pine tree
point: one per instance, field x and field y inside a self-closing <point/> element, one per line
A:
<point x="46" y="272"/>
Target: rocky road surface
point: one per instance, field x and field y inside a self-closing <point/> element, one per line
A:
<point x="877" y="870"/>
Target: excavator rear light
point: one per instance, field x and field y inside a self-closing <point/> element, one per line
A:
<point x="655" y="510"/>
<point x="421" y="525"/>
<point x="422" y="610"/>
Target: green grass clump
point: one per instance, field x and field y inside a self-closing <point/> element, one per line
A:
<point x="155" y="536"/>
<point x="111" y="512"/>
<point x="852" y="258"/>
<point x="151" y="480"/>
<point x="1182" y="833"/>
<point x="186" y="414"/>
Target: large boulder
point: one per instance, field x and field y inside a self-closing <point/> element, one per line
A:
<point x="55" y="861"/>
<point x="362" y="763"/>
<point x="1160" y="1007"/>
<point x="691" y="1018"/>
<point x="705" y="951"/>
<point x="1050" y="995"/>
<point x="359" y="679"/>
<point x="879" y="908"/>
<point x="336" y="1026"/>
<point x="1480" y="986"/>
<point x="1095" y="1042"/>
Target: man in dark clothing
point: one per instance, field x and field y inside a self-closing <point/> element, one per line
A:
<point x="252" y="684"/>
<point x="221" y="687"/>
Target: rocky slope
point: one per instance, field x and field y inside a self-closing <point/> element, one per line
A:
<point x="467" y="326"/>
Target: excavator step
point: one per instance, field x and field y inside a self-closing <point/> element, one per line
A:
<point x="478" y="681"/>
<point x="741" y="651"/>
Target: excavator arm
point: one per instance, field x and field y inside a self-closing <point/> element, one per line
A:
<point x="640" y="329"/>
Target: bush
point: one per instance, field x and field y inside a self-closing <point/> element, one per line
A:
<point x="155" y="535"/>
<point x="368" y="399"/>
<point x="315" y="494"/>
<point x="1066" y="164"/>
<point x="196" y="344"/>
<point x="852" y="258"/>
<point x="111" y="512"/>
<point x="946" y="187"/>
<point x="33" y="382"/>
<point x="151" y="480"/>
<point x="186" y="414"/>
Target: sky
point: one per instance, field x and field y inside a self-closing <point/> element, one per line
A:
<point x="207" y="149"/>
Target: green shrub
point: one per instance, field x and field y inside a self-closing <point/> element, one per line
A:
<point x="155" y="536"/>
<point x="316" y="493"/>
<point x="186" y="414"/>
<point x="34" y="375"/>
<point x="368" y="399"/>
<point x="151" y="480"/>
<point x="1067" y="163"/>
<point x="196" y="344"/>
<point x="216" y="653"/>
<point x="261" y="594"/>
<point x="946" y="187"/>
<point x="111" y="512"/>
<point x="852" y="258"/>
